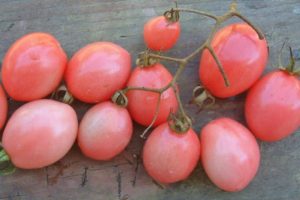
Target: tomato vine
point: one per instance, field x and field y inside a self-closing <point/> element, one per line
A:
<point x="180" y="122"/>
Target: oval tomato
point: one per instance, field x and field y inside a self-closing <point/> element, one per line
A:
<point x="272" y="106"/>
<point x="3" y="107"/>
<point x="243" y="56"/>
<point x="168" y="156"/>
<point x="142" y="104"/>
<point x="104" y="131"/>
<point x="161" y="34"/>
<point x="40" y="133"/>
<point x="97" y="71"/>
<point x="229" y="154"/>
<point x="33" y="67"/>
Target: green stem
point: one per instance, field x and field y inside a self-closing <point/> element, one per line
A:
<point x="167" y="58"/>
<point x="194" y="53"/>
<point x="219" y="64"/>
<point x="181" y="108"/>
<point x="203" y="13"/>
<point x="178" y="73"/>
<point x="257" y="30"/>
<point x="143" y="135"/>
<point x="291" y="66"/>
<point x="160" y="90"/>
<point x="280" y="54"/>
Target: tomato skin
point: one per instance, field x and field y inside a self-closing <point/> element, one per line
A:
<point x="3" y="107"/>
<point x="160" y="34"/>
<point x="170" y="157"/>
<point x="97" y="71"/>
<point x="229" y="154"/>
<point x="142" y="104"/>
<point x="33" y="67"/>
<point x="105" y="131"/>
<point x="243" y="56"/>
<point x="272" y="107"/>
<point x="40" y="133"/>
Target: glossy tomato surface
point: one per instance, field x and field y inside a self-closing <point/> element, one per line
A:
<point x="97" y="71"/>
<point x="3" y="107"/>
<point x="33" y="67"/>
<point x="272" y="106"/>
<point x="104" y="131"/>
<point x="40" y="133"/>
<point x="161" y="34"/>
<point x="170" y="157"/>
<point x="142" y="104"/>
<point x="229" y="154"/>
<point x="243" y="56"/>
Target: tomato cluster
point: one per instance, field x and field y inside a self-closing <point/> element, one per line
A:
<point x="42" y="131"/>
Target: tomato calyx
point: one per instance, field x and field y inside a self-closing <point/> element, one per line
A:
<point x="120" y="98"/>
<point x="172" y="15"/>
<point x="6" y="166"/>
<point x="179" y="123"/>
<point x="291" y="67"/>
<point x="145" y="60"/>
<point x="62" y="94"/>
<point x="202" y="97"/>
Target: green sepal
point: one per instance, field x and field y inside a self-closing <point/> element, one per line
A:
<point x="6" y="166"/>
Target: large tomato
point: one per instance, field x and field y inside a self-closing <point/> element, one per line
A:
<point x="170" y="157"/>
<point x="273" y="106"/>
<point x="3" y="107"/>
<point x="229" y="154"/>
<point x="40" y="133"/>
<point x="142" y="104"/>
<point x="33" y="67"/>
<point x="243" y="56"/>
<point x="97" y="71"/>
<point x="104" y="131"/>
<point x="161" y="34"/>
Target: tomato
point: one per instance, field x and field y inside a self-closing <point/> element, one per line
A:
<point x="3" y="107"/>
<point x="272" y="106"/>
<point x="243" y="56"/>
<point x="97" y="71"/>
<point x="170" y="157"/>
<point x="161" y="34"/>
<point x="229" y="154"/>
<point x="40" y="133"/>
<point x="104" y="131"/>
<point x="142" y="104"/>
<point x="33" y="67"/>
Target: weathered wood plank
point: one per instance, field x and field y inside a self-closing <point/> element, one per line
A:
<point x="76" y="23"/>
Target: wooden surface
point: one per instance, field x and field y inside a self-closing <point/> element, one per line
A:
<point x="76" y="23"/>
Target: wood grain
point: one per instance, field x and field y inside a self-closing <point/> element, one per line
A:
<point x="76" y="23"/>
